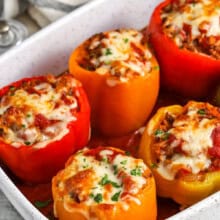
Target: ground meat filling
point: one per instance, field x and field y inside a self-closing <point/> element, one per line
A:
<point x="121" y="54"/>
<point x="188" y="143"/>
<point x="194" y="25"/>
<point x="38" y="110"/>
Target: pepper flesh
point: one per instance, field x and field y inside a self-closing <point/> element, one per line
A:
<point x="119" y="109"/>
<point x="187" y="73"/>
<point x="40" y="165"/>
<point x="183" y="191"/>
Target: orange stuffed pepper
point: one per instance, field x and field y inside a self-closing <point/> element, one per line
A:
<point x="104" y="184"/>
<point x="182" y="146"/>
<point x="121" y="78"/>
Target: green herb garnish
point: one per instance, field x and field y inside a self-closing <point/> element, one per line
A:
<point x="156" y="67"/>
<point x="161" y="134"/>
<point x="158" y="132"/>
<point x="123" y="162"/>
<point x="115" y="197"/>
<point x="115" y="167"/>
<point x="105" y="181"/>
<point x="12" y="88"/>
<point x="85" y="166"/>
<point x="108" y="52"/>
<point x="153" y="165"/>
<point x="201" y="112"/>
<point x="165" y="136"/>
<point x="126" y="40"/>
<point x="91" y="195"/>
<point x="127" y="153"/>
<point x="27" y="142"/>
<point x="42" y="204"/>
<point x="98" y="198"/>
<point x="105" y="160"/>
<point x="136" y="172"/>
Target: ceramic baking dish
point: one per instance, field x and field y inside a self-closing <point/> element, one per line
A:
<point x="48" y="51"/>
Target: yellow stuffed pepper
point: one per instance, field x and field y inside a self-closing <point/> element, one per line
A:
<point x="182" y="146"/>
<point x="121" y="78"/>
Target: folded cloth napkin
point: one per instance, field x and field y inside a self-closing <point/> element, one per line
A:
<point x="42" y="11"/>
<point x="47" y="11"/>
<point x="11" y="8"/>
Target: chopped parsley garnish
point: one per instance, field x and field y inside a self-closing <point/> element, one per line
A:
<point x="165" y="136"/>
<point x="126" y="40"/>
<point x="156" y="67"/>
<point x="158" y="132"/>
<point x="27" y="143"/>
<point x="28" y="115"/>
<point x="23" y="126"/>
<point x="123" y="162"/>
<point x="201" y="112"/>
<point x="12" y="88"/>
<point x="105" y="160"/>
<point x="98" y="198"/>
<point x="115" y="167"/>
<point x="85" y="166"/>
<point x="153" y="165"/>
<point x="105" y="181"/>
<point x="115" y="197"/>
<point x="91" y="195"/>
<point x="161" y="134"/>
<point x="127" y="153"/>
<point x="136" y="172"/>
<point x="42" y="204"/>
<point x="108" y="52"/>
<point x="107" y="62"/>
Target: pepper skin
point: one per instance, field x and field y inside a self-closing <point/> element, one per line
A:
<point x="182" y="71"/>
<point x="38" y="165"/>
<point x="69" y="207"/>
<point x="184" y="190"/>
<point x="120" y="109"/>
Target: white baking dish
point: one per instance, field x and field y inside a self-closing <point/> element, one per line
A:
<point x="48" y="51"/>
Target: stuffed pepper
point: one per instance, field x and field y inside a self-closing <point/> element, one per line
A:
<point x="43" y="120"/>
<point x="104" y="183"/>
<point x="121" y="78"/>
<point x="182" y="146"/>
<point x="185" y="37"/>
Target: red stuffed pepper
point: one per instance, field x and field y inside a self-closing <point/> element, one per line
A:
<point x="43" y="120"/>
<point x="189" y="55"/>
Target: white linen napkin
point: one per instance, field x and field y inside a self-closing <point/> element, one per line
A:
<point x="42" y="11"/>
<point x="47" y="11"/>
<point x="11" y="8"/>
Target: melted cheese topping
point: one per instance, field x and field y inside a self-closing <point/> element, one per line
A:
<point x="193" y="25"/>
<point x="38" y="113"/>
<point x="190" y="140"/>
<point x="122" y="54"/>
<point x="107" y="176"/>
